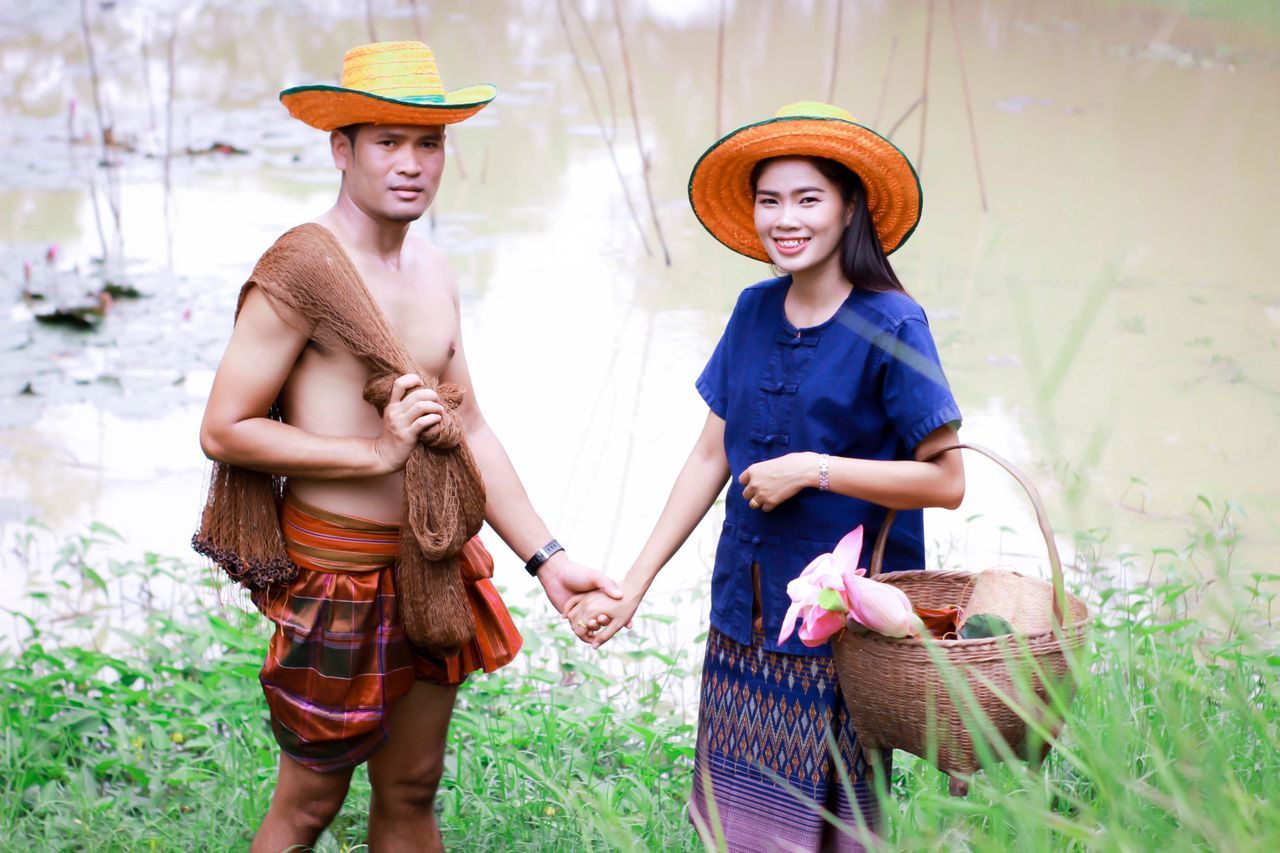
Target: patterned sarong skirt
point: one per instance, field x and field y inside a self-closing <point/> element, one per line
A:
<point x="763" y="769"/>
<point x="339" y="657"/>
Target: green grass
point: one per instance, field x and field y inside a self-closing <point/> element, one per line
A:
<point x="1172" y="741"/>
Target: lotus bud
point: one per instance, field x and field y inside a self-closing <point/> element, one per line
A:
<point x="881" y="607"/>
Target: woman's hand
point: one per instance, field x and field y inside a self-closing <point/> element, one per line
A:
<point x="767" y="484"/>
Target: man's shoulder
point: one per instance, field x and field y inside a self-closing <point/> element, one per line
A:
<point x="300" y="244"/>
<point x="429" y="262"/>
<point x="424" y="250"/>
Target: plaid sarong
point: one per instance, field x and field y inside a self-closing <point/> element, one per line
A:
<point x="339" y="658"/>
<point x="763" y="717"/>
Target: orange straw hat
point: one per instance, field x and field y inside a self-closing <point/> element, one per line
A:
<point x="720" y="186"/>
<point x="387" y="82"/>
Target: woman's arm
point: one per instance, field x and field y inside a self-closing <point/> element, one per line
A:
<point x="696" y="488"/>
<point x="904" y="484"/>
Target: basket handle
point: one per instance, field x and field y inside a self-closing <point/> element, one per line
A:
<point x="1055" y="563"/>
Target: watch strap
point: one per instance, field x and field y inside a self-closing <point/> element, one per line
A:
<point x="541" y="556"/>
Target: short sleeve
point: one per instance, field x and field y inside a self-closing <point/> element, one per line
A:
<point x="916" y="395"/>
<point x="713" y="383"/>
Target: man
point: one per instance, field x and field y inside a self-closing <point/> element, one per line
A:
<point x="342" y="407"/>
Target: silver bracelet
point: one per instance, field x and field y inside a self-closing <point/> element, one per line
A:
<point x="824" y="472"/>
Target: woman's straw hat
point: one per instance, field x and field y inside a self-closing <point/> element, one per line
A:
<point x="720" y="186"/>
<point x="387" y="82"/>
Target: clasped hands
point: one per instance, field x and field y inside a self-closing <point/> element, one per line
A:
<point x="596" y="616"/>
<point x="595" y="606"/>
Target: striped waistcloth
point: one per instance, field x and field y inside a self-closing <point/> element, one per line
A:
<point x="339" y="658"/>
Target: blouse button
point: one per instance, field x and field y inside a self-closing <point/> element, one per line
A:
<point x="755" y="540"/>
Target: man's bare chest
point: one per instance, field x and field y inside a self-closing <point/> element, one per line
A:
<point x="423" y="317"/>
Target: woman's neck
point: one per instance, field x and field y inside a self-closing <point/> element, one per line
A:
<point x="815" y="294"/>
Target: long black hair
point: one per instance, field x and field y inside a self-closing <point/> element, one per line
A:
<point x="862" y="259"/>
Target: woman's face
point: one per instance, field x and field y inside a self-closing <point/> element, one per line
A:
<point x="799" y="215"/>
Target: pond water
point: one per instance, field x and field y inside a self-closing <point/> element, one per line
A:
<point x="1097" y="253"/>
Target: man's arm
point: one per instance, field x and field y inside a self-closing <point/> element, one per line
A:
<point x="508" y="509"/>
<point x="263" y="349"/>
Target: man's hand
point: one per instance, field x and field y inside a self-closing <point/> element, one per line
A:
<point x="562" y="579"/>
<point x="769" y="483"/>
<point x="411" y="410"/>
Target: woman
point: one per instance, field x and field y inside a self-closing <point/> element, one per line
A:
<point x="824" y="391"/>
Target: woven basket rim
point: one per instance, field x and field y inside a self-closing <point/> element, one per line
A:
<point x="1072" y="633"/>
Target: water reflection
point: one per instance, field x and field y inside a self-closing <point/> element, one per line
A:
<point x="1111" y="316"/>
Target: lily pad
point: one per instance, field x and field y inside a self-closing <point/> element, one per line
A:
<point x="121" y="291"/>
<point x="81" y="319"/>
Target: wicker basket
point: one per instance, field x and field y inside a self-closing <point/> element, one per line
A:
<point x="898" y="697"/>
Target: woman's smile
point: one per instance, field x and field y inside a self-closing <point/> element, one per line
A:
<point x="790" y="245"/>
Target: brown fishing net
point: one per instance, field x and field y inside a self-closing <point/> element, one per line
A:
<point x="308" y="271"/>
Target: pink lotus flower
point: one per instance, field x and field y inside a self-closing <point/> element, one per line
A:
<point x="831" y="590"/>
<point x="881" y="607"/>
<point x="821" y="583"/>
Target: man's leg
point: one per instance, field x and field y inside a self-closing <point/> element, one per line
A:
<point x="406" y="771"/>
<point x="304" y="803"/>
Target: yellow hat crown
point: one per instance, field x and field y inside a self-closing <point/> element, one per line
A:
<point x="403" y="70"/>
<point x="812" y="109"/>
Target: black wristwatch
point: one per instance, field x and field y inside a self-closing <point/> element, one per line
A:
<point x="541" y="556"/>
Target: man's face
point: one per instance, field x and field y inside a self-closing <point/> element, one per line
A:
<point x="391" y="172"/>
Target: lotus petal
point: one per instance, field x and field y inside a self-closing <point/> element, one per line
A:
<point x="847" y="551"/>
<point x="819" y="626"/>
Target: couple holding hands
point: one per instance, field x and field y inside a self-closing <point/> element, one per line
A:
<point x="353" y="467"/>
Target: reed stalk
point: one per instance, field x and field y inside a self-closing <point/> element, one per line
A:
<point x="604" y="132"/>
<point x="720" y="70"/>
<point x="629" y="454"/>
<point x="171" y="68"/>
<point x="924" y="87"/>
<point x="104" y="137"/>
<point x="73" y="158"/>
<point x="456" y="147"/>
<point x="968" y="107"/>
<point x="145" y="53"/>
<point x="915" y="105"/>
<point x="635" y="121"/>
<point x="835" y="52"/>
<point x="884" y="84"/>
<point x="600" y="64"/>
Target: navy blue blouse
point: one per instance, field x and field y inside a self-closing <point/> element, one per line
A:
<point x="865" y="384"/>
